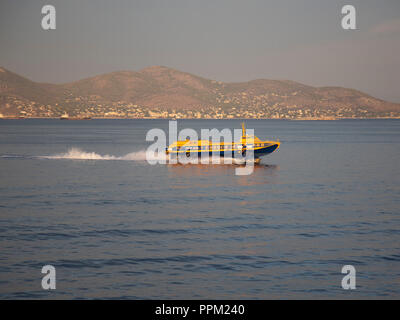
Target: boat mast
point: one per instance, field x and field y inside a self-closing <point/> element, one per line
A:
<point x="243" y="139"/>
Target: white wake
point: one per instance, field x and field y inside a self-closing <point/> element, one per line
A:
<point x="78" y="154"/>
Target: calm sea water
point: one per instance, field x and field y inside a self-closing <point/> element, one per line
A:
<point x="116" y="227"/>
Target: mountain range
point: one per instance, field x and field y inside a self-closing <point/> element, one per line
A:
<point x="158" y="89"/>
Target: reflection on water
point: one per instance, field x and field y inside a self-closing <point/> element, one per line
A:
<point x="218" y="169"/>
<point x="219" y="175"/>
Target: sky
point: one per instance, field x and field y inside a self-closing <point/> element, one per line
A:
<point x="225" y="40"/>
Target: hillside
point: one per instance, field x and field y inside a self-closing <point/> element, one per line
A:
<point x="164" y="92"/>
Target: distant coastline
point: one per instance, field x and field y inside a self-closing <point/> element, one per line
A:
<point x="150" y="118"/>
<point x="162" y="93"/>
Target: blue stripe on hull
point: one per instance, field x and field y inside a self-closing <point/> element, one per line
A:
<point x="257" y="153"/>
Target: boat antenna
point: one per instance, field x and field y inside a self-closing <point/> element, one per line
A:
<point x="243" y="139"/>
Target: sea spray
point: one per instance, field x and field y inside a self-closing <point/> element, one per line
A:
<point x="78" y="154"/>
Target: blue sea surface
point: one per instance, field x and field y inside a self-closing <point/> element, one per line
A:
<point x="115" y="226"/>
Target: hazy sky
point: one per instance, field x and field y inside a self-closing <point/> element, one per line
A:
<point x="226" y="40"/>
